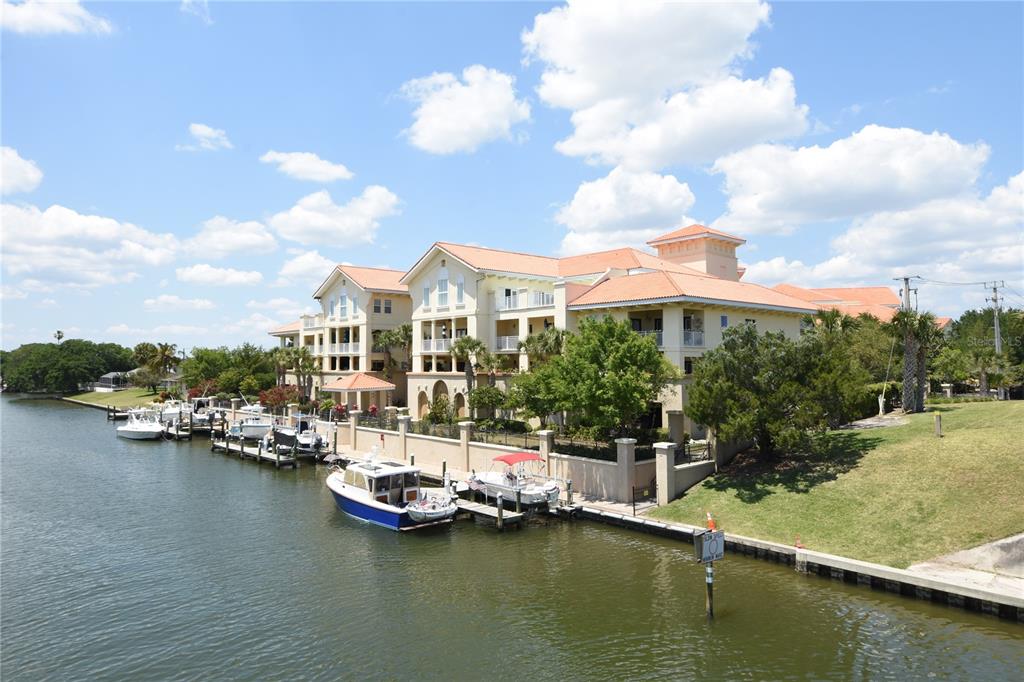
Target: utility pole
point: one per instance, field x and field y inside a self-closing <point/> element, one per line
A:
<point x="906" y="292"/>
<point x="995" y="319"/>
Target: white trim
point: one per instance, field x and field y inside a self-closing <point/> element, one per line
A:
<point x="692" y="299"/>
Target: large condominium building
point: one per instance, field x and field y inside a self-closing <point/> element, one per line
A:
<point x="684" y="295"/>
<point x="356" y="304"/>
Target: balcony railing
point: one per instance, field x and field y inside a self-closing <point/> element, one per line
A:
<point x="692" y="338"/>
<point x="312" y="322"/>
<point x="656" y="333"/>
<point x="333" y="348"/>
<point x="507" y="343"/>
<point x="535" y="299"/>
<point x="437" y="345"/>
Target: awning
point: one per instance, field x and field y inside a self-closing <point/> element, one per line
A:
<point x="360" y="381"/>
<point x="517" y="457"/>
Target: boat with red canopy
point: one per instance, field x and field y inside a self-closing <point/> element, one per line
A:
<point x="520" y="473"/>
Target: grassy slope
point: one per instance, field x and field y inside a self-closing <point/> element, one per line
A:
<point x="894" y="496"/>
<point x="130" y="397"/>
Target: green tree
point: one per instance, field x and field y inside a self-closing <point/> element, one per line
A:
<point x="952" y="365"/>
<point x="835" y="380"/>
<point x="147" y="378"/>
<point x="754" y="388"/>
<point x="463" y="350"/>
<point x="874" y="348"/>
<point x="487" y="399"/>
<point x="144" y="353"/>
<point x="610" y="375"/>
<point x="441" y="411"/>
<point x="205" y="364"/>
<point x="926" y="336"/>
<point x="542" y="346"/>
<point x="390" y="340"/>
<point x="904" y="326"/>
<point x="536" y="393"/>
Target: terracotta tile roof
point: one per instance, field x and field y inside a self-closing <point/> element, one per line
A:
<point x="882" y="312"/>
<point x="483" y="258"/>
<point x="375" y="279"/>
<point x="289" y="328"/>
<point x="864" y="296"/>
<point x="694" y="231"/>
<point x="360" y="381"/>
<point x="621" y="259"/>
<point x="667" y="285"/>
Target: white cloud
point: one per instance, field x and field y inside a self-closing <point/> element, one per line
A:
<point x="307" y="267"/>
<point x="956" y="239"/>
<point x="203" y="273"/>
<point x="595" y="51"/>
<point x="9" y="293"/>
<point x="160" y="330"/>
<point x="170" y="302"/>
<point x="256" y="323"/>
<point x="692" y="127"/>
<point x="17" y="174"/>
<point x="220" y="237"/>
<point x="460" y="115"/>
<point x="39" y="17"/>
<point x="774" y="188"/>
<point x="60" y="246"/>
<point x="205" y="139"/>
<point x="317" y="219"/>
<point x="198" y="8"/>
<point x="48" y="303"/>
<point x="623" y="209"/>
<point x="307" y="166"/>
<point x="279" y="304"/>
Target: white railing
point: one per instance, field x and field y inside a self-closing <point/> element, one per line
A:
<point x="692" y="338"/>
<point x="541" y="299"/>
<point x="656" y="333"/>
<point x="507" y="343"/>
<point x="443" y="345"/>
<point x="345" y="347"/>
<point x="312" y="322"/>
<point x="333" y="348"/>
<point x="506" y="303"/>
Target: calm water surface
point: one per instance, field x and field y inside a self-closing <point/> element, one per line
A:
<point x="163" y="561"/>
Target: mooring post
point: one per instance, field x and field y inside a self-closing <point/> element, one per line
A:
<point x="412" y="459"/>
<point x="938" y="425"/>
<point x="519" y="500"/>
<point x="501" y="513"/>
<point x="259" y="451"/>
<point x="335" y="439"/>
<point x="709" y="602"/>
<point x="568" y="490"/>
<point x="444" y="467"/>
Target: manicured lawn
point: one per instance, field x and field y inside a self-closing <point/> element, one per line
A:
<point x="893" y="495"/>
<point x="130" y="397"/>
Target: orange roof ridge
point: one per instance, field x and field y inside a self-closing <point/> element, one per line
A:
<point x="693" y="231"/>
<point x="491" y="248"/>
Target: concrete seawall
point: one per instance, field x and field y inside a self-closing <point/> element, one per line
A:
<point x="876" y="576"/>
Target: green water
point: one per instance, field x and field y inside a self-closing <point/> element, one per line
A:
<point x="163" y="561"/>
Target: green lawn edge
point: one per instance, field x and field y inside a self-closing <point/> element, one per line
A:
<point x="130" y="397"/>
<point x="894" y="496"/>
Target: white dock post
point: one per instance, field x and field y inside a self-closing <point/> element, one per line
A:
<point x="501" y="513"/>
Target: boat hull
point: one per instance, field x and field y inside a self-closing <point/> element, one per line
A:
<point x="133" y="434"/>
<point x="373" y="514"/>
<point x="531" y="495"/>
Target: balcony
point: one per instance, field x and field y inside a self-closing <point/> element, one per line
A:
<point x="437" y="345"/>
<point x="656" y="333"/>
<point x="535" y="299"/>
<point x="348" y="347"/>
<point x="693" y="339"/>
<point x="507" y="343"/>
<point x="312" y="322"/>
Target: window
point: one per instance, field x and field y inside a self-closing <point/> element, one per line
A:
<point x="657" y="324"/>
<point x="637" y="323"/>
<point x="376" y="305"/>
<point x="387" y="306"/>
<point x="377" y="366"/>
<point x="330" y="307"/>
<point x="687" y="365"/>
<point x="343" y="306"/>
<point x="355" y="306"/>
<point x="426" y="295"/>
<point x="725" y="321"/>
<point x="442" y="293"/>
<point x="460" y="290"/>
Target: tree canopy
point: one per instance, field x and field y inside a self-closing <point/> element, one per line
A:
<point x="61" y="367"/>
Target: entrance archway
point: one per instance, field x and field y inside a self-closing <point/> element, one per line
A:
<point x="460" y="405"/>
<point x="422" y="405"/>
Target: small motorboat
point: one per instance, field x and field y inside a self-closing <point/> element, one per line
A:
<point x="532" y="487"/>
<point x="301" y="437"/>
<point x="379" y="492"/>
<point x="432" y="507"/>
<point x="252" y="428"/>
<point x="142" y="425"/>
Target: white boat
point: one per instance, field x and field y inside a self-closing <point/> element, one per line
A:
<point x="515" y="477"/>
<point x="378" y="492"/>
<point x="252" y="428"/>
<point x="172" y="411"/>
<point x="142" y="425"/>
<point x="432" y="507"/>
<point x="301" y="436"/>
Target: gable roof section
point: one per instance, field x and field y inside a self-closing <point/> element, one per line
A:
<point x="693" y="232"/>
<point x="360" y="381"/>
<point x="667" y="286"/>
<point x="620" y="259"/>
<point x="289" y="328"/>
<point x="369" y="279"/>
<point x="481" y="258"/>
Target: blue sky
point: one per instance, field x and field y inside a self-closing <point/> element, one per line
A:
<point x="848" y="143"/>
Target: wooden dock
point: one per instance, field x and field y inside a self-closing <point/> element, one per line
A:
<point x="254" y="452"/>
<point x="486" y="512"/>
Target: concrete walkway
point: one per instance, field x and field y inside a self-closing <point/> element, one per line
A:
<point x="996" y="566"/>
<point x="876" y="422"/>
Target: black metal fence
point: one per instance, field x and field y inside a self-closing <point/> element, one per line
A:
<point x="691" y="452"/>
<point x="379" y="421"/>
<point x="526" y="441"/>
<point x="644" y="493"/>
<point x="425" y="428"/>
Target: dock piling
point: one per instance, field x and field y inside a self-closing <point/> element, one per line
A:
<point x="519" y="500"/>
<point x="501" y="513"/>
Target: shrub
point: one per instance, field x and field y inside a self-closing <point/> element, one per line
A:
<point x="441" y="411"/>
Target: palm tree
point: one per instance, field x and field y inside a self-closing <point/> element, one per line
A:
<point x="927" y="336"/>
<point x="832" y="321"/>
<point x="59" y="336"/>
<point x="904" y="323"/>
<point x="490" y="363"/>
<point x="463" y="350"/>
<point x="397" y="338"/>
<point x="283" y="359"/>
<point x="982" y="360"/>
<point x="305" y="366"/>
<point x="540" y="347"/>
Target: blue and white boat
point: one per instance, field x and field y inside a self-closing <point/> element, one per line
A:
<point x="379" y="492"/>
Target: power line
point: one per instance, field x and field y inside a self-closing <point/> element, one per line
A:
<point x="950" y="284"/>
